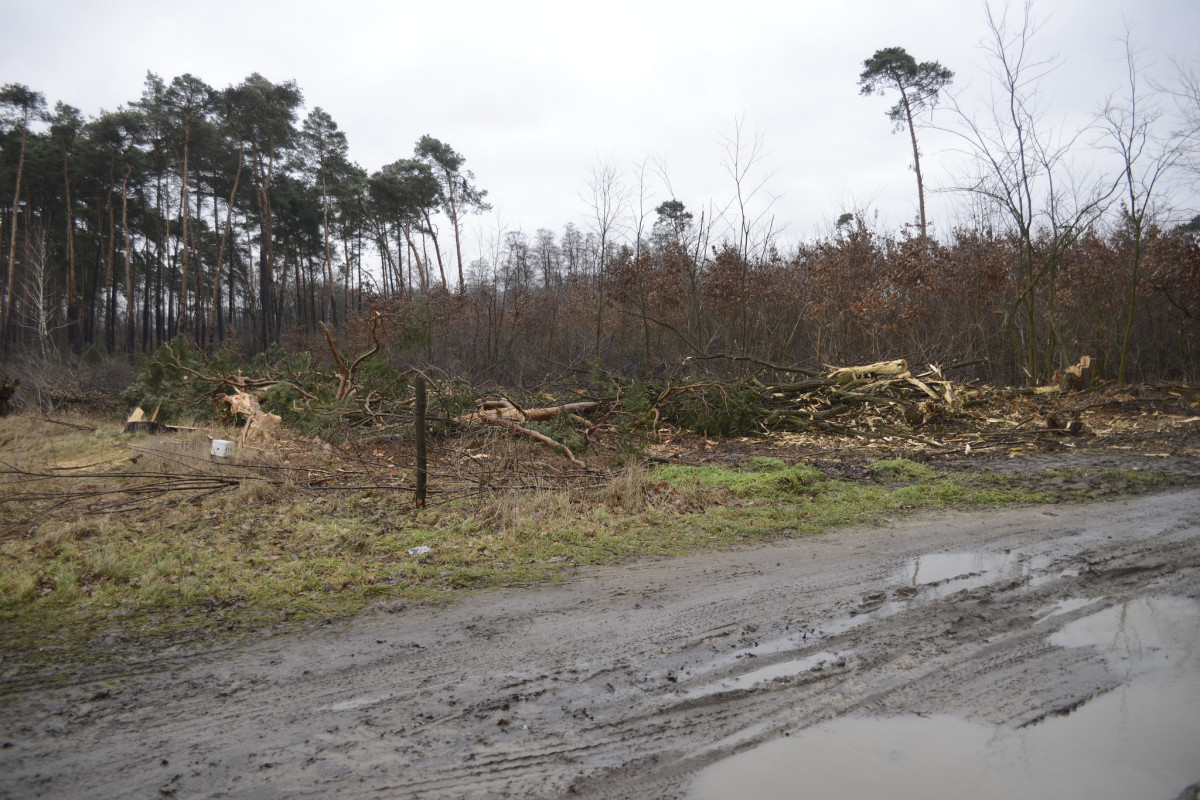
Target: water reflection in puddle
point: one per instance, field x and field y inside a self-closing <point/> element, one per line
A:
<point x="953" y="572"/>
<point x="1139" y="740"/>
<point x="1062" y="607"/>
<point x="783" y="669"/>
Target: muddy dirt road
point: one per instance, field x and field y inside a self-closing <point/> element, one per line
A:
<point x="631" y="681"/>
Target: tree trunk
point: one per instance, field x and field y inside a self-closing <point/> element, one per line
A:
<point x="73" y="334"/>
<point x="912" y="131"/>
<point x="184" y="211"/>
<point x="328" y="249"/>
<point x="437" y="250"/>
<point x="130" y="315"/>
<point x="457" y="233"/>
<point x="110" y="255"/>
<point x="412" y="247"/>
<point x="11" y="287"/>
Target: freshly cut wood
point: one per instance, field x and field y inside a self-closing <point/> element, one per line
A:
<point x="136" y="422"/>
<point x="504" y="409"/>
<point x="258" y="422"/>
<point x="897" y="367"/>
<point x="1079" y="376"/>
<point x="551" y="412"/>
<point x="917" y="383"/>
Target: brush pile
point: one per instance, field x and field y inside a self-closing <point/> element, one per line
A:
<point x="847" y="400"/>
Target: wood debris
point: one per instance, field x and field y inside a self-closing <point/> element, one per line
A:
<point x="509" y="415"/>
<point x="136" y="422"/>
<point x="259" y="423"/>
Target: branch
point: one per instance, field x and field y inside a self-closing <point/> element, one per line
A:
<point x="703" y="356"/>
<point x="541" y="437"/>
<point x="346" y="374"/>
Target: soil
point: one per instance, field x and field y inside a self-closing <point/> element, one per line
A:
<point x="627" y="681"/>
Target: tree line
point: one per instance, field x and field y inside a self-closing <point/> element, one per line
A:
<point x="224" y="216"/>
<point x="209" y="213"/>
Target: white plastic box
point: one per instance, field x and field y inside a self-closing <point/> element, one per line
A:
<point x="222" y="448"/>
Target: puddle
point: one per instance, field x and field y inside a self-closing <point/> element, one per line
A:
<point x="1139" y="740"/>
<point x="941" y="574"/>
<point x="357" y="702"/>
<point x="783" y="669"/>
<point x="1140" y="636"/>
<point x="1062" y="607"/>
<point x="931" y="576"/>
<point x="1038" y="580"/>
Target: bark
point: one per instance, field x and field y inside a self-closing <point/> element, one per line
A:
<point x="130" y="314"/>
<point x="412" y="247"/>
<point x="437" y="250"/>
<point x="11" y="287"/>
<point x="328" y="250"/>
<point x="457" y="234"/>
<point x="184" y="210"/>
<point x="912" y="131"/>
<point x="237" y="176"/>
<point x="73" y="333"/>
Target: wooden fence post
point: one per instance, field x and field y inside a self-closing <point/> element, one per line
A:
<point x="419" y="432"/>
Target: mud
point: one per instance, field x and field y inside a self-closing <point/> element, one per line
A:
<point x="975" y="631"/>
<point x="1142" y="739"/>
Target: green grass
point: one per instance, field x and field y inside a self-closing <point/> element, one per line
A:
<point x="763" y="478"/>
<point x="902" y="469"/>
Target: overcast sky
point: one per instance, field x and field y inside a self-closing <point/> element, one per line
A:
<point x="534" y="94"/>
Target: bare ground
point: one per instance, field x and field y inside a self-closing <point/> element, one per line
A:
<point x="625" y="681"/>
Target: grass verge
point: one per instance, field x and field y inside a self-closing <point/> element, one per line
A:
<point x="256" y="555"/>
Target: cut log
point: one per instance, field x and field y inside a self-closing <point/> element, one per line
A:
<point x="922" y="387"/>
<point x="897" y="367"/>
<point x="503" y="409"/>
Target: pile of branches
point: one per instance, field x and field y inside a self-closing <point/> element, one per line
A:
<point x="847" y="401"/>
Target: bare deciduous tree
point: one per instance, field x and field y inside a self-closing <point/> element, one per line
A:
<point x="1021" y="164"/>
<point x="606" y="199"/>
<point x="1129" y="123"/>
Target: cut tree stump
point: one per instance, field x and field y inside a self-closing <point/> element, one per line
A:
<point x="1078" y="377"/>
<point x="136" y="422"/>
